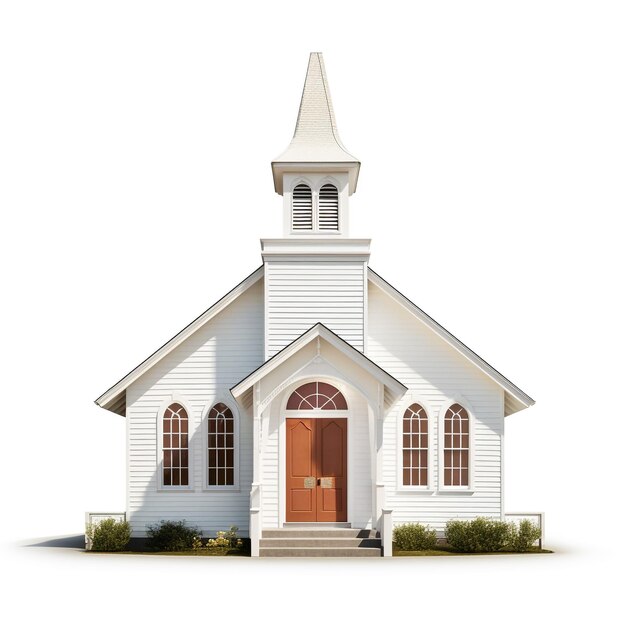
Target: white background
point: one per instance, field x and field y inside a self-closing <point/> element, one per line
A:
<point x="135" y="182"/>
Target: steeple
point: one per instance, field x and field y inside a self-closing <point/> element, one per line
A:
<point x="316" y="146"/>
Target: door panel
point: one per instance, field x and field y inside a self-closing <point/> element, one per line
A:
<point x="316" y="470"/>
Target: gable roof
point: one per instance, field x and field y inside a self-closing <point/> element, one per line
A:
<point x="112" y="399"/>
<point x="394" y="387"/>
<point x="515" y="399"/>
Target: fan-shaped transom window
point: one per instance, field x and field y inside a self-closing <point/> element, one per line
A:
<point x="302" y="208"/>
<point x="175" y="446"/>
<point x="317" y="395"/>
<point x="415" y="446"/>
<point x="456" y="447"/>
<point x="328" y="208"/>
<point x="221" y="446"/>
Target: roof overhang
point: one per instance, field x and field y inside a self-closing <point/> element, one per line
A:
<point x="352" y="168"/>
<point x="114" y="399"/>
<point x="393" y="388"/>
<point x="514" y="398"/>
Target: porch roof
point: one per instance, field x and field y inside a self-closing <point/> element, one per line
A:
<point x="394" y="389"/>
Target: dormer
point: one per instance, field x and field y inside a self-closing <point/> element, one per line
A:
<point x="315" y="174"/>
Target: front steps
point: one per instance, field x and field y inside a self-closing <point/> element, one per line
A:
<point x="320" y="541"/>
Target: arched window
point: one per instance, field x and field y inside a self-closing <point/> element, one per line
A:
<point x="302" y="208"/>
<point x="328" y="208"/>
<point x="317" y="395"/>
<point x="456" y="447"/>
<point x="415" y="446"/>
<point x="175" y="446"/>
<point x="221" y="446"/>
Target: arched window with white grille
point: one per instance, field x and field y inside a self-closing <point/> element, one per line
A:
<point x="302" y="208"/>
<point x="175" y="450"/>
<point x="221" y="446"/>
<point x="328" y="208"/>
<point x="456" y="447"/>
<point x="317" y="396"/>
<point x="415" y="446"/>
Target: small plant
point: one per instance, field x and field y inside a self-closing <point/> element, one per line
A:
<point x="478" y="535"/>
<point x="522" y="538"/>
<point x="225" y="540"/>
<point x="171" y="536"/>
<point x="109" y="535"/>
<point x="414" y="537"/>
<point x="197" y="545"/>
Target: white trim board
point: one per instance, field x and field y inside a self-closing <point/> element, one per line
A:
<point x="109" y="399"/>
<point x="515" y="399"/>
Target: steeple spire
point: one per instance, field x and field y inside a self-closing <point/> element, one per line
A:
<point x="315" y="145"/>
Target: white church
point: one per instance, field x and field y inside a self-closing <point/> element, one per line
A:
<point x="314" y="406"/>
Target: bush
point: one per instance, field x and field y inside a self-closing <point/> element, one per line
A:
<point x="413" y="537"/>
<point x="478" y="535"/>
<point x="109" y="535"/>
<point x="522" y="538"/>
<point x="225" y="541"/>
<point x="170" y="536"/>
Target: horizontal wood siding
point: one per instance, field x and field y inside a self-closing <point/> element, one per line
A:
<point x="200" y="371"/>
<point x="435" y="374"/>
<point x="300" y="294"/>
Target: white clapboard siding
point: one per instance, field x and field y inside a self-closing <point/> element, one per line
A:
<point x="199" y="371"/>
<point x="435" y="374"/>
<point x="301" y="294"/>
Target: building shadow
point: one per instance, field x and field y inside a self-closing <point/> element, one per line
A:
<point x="66" y="541"/>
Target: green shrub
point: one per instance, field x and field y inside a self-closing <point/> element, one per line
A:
<point x="170" y="536"/>
<point x="478" y="535"/>
<point x="523" y="536"/>
<point x="413" y="537"/>
<point x="109" y="535"/>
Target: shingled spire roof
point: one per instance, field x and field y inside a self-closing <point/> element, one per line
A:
<point x="315" y="140"/>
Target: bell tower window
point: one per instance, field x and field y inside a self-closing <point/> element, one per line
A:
<point x="302" y="213"/>
<point x="328" y="208"/>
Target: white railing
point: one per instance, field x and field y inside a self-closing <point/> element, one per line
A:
<point x="536" y="518"/>
<point x="96" y="518"/>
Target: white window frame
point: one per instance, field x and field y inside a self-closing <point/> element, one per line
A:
<point x="175" y="399"/>
<point x="400" y="486"/>
<point x="458" y="489"/>
<point x="232" y="405"/>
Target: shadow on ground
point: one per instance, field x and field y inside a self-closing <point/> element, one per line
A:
<point x="67" y="541"/>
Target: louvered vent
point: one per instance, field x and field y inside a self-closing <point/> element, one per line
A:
<point x="329" y="208"/>
<point x="302" y="208"/>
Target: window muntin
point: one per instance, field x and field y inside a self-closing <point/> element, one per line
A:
<point x="317" y="395"/>
<point x="302" y="208"/>
<point x="456" y="447"/>
<point x="328" y="208"/>
<point x="415" y="446"/>
<point x="175" y="446"/>
<point x="221" y="446"/>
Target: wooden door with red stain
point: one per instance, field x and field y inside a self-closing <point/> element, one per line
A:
<point x="317" y="478"/>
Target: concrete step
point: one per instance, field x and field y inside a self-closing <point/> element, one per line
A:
<point x="319" y="542"/>
<point x="300" y="533"/>
<point x="319" y="552"/>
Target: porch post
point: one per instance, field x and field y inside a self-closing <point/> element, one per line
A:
<point x="255" y="492"/>
<point x="380" y="487"/>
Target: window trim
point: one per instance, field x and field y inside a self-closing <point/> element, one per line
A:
<point x="232" y="405"/>
<point x="400" y="486"/>
<point x="455" y="489"/>
<point x="175" y="399"/>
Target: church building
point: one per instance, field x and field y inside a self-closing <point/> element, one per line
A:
<point x="314" y="406"/>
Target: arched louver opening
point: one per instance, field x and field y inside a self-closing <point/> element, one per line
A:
<point x="302" y="208"/>
<point x="329" y="208"/>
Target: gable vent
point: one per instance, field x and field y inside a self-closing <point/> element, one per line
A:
<point x="302" y="208"/>
<point x="328" y="208"/>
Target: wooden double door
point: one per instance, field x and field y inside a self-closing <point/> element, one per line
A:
<point x="317" y="470"/>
